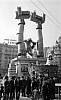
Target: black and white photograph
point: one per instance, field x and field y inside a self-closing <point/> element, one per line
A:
<point x="30" y="49"/>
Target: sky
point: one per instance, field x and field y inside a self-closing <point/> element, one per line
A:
<point x="51" y="29"/>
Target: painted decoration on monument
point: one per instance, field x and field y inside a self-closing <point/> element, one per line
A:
<point x="24" y="67"/>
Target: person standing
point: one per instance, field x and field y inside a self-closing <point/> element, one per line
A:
<point x="23" y="86"/>
<point x="17" y="87"/>
<point x="12" y="88"/>
<point x="28" y="86"/>
<point x="6" y="89"/>
<point x="45" y="90"/>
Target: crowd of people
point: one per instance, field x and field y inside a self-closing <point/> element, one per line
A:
<point x="26" y="86"/>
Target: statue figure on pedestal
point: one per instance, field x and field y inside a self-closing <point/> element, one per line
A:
<point x="29" y="46"/>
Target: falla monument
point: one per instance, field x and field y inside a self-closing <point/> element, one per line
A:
<point x="23" y="64"/>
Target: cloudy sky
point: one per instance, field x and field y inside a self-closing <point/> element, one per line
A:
<point x="51" y="28"/>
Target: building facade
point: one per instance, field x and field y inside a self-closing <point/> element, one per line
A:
<point x="57" y="53"/>
<point x="56" y="50"/>
<point x="7" y="52"/>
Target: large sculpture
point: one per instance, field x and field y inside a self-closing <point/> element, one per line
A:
<point x="21" y="61"/>
<point x="21" y="15"/>
<point x="30" y="45"/>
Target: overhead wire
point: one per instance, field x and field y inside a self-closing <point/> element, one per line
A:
<point x="36" y="6"/>
<point x="46" y="14"/>
<point x="50" y="13"/>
